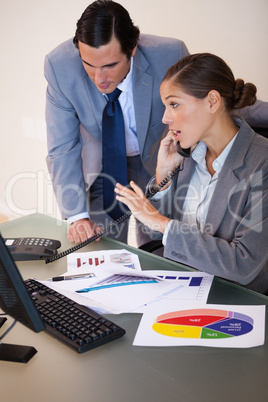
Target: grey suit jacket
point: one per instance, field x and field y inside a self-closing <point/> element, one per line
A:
<point x="234" y="244"/>
<point x="74" y="116"/>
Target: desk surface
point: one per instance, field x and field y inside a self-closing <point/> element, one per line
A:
<point x="119" y="371"/>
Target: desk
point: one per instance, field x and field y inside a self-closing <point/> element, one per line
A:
<point x="119" y="371"/>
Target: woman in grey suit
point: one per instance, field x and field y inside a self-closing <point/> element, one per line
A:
<point x="214" y="216"/>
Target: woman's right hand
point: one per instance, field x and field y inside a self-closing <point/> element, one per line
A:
<point x="168" y="158"/>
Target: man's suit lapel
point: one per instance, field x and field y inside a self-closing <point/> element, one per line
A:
<point x="142" y="96"/>
<point x="97" y="103"/>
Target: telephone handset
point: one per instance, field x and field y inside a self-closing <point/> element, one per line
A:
<point x="183" y="152"/>
<point x="186" y="152"/>
<point x="31" y="248"/>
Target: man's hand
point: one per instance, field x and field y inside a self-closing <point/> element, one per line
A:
<point x="81" y="230"/>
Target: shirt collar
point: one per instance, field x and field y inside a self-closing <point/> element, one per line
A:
<point x="219" y="162"/>
<point x="199" y="155"/>
<point x="126" y="84"/>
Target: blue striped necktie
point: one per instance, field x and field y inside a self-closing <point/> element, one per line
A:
<point x="114" y="158"/>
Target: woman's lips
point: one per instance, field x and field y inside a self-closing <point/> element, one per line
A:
<point x="176" y="132"/>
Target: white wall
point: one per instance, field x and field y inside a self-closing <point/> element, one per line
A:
<point x="236" y="30"/>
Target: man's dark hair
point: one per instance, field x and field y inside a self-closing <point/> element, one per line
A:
<point x="101" y="21"/>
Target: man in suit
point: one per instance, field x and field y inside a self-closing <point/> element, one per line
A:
<point x="78" y="75"/>
<point x="107" y="52"/>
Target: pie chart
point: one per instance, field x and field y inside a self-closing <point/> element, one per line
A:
<point x="205" y="323"/>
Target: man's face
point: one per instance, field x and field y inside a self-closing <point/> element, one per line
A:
<point x="106" y="66"/>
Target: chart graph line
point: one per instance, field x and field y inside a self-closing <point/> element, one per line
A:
<point x="114" y="285"/>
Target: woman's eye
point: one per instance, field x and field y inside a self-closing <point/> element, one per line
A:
<point x="174" y="105"/>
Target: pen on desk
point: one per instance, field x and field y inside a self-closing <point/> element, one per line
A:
<point x="69" y="277"/>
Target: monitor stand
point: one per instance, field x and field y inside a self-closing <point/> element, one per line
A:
<point x="16" y="353"/>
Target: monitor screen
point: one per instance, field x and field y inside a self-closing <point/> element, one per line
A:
<point x="14" y="298"/>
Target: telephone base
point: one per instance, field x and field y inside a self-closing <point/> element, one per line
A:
<point x="31" y="257"/>
<point x="16" y="353"/>
<point x="2" y="321"/>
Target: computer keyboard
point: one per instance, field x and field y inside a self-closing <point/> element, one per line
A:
<point x="77" y="326"/>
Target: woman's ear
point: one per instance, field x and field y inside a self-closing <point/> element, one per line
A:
<point x="214" y="100"/>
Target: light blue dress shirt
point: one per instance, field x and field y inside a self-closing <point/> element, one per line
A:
<point x="201" y="188"/>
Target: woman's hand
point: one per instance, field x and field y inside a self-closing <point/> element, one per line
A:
<point x="140" y="207"/>
<point x="168" y="158"/>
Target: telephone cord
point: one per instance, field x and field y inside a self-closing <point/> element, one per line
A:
<point x="117" y="222"/>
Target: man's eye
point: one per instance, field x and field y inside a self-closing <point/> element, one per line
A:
<point x="111" y="65"/>
<point x="86" y="65"/>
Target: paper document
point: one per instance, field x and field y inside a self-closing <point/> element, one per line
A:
<point x="114" y="283"/>
<point x="188" y="287"/>
<point x="115" y="288"/>
<point x="209" y="325"/>
<point x="78" y="261"/>
<point x="123" y="290"/>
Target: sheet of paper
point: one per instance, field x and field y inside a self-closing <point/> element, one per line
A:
<point x="94" y="259"/>
<point x="125" y="291"/>
<point x="115" y="288"/>
<point x="189" y="287"/>
<point x="210" y="325"/>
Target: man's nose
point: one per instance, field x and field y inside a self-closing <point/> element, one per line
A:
<point x="99" y="76"/>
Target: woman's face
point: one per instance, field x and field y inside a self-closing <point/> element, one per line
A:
<point x="186" y="115"/>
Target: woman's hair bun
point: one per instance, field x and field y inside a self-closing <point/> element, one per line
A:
<point x="244" y="94"/>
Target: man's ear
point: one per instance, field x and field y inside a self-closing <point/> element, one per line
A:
<point x="134" y="51"/>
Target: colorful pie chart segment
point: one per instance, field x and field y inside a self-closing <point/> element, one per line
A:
<point x="203" y="323"/>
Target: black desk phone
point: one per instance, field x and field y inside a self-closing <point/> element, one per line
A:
<point x="32" y="248"/>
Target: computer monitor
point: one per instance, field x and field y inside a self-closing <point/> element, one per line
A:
<point x="17" y="303"/>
